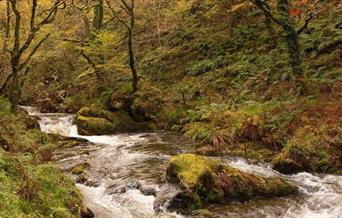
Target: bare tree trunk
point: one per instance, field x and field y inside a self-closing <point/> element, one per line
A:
<point x="135" y="78"/>
<point x="13" y="91"/>
<point x="8" y="23"/>
<point x="98" y="14"/>
<point x="129" y="9"/>
<point x="5" y="85"/>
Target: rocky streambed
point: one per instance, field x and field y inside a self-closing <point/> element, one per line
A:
<point x="124" y="176"/>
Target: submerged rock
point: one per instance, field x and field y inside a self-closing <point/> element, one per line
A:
<point x="166" y="192"/>
<point x="206" y="181"/>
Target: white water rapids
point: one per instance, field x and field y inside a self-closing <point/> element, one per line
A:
<point x="117" y="159"/>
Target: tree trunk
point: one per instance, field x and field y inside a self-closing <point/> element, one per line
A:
<point x="135" y="78"/>
<point x="5" y="85"/>
<point x="15" y="58"/>
<point x="98" y="14"/>
<point x="14" y="91"/>
<point x="291" y="37"/>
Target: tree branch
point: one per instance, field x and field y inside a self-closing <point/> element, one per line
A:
<point x="306" y="23"/>
<point x="34" y="50"/>
<point x="265" y="8"/>
<point x="33" y="14"/>
<point x="116" y="15"/>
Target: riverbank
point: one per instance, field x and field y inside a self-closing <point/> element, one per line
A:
<point x="31" y="186"/>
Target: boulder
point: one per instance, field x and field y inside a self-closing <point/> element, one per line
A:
<point x="93" y="121"/>
<point x="94" y="126"/>
<point x="206" y="181"/>
<point x="307" y="150"/>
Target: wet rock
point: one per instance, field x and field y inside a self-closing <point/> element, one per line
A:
<point x="148" y="191"/>
<point x="92" y="183"/>
<point x="206" y="181"/>
<point x="82" y="178"/>
<point x="133" y="185"/>
<point x="79" y="168"/>
<point x="87" y="213"/>
<point x="164" y="195"/>
<point x="68" y="142"/>
<point x="203" y="213"/>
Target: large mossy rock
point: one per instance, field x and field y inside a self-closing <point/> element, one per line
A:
<point x="206" y="181"/>
<point x="92" y="121"/>
<point x="308" y="150"/>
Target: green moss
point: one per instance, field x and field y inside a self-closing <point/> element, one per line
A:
<point x="79" y="168"/>
<point x="189" y="169"/>
<point x="213" y="182"/>
<point x="94" y="126"/>
<point x="96" y="113"/>
<point x="305" y="151"/>
<point x="92" y="121"/>
<point x="35" y="190"/>
<point x="29" y="187"/>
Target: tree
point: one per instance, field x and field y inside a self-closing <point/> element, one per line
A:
<point x="18" y="51"/>
<point x="98" y="14"/>
<point x="285" y="21"/>
<point x="128" y="9"/>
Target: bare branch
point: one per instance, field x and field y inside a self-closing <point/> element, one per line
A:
<point x="265" y="8"/>
<point x="115" y="14"/>
<point x="306" y="23"/>
<point x="33" y="14"/>
<point x="34" y="50"/>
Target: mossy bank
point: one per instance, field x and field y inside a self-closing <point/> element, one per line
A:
<point x="30" y="185"/>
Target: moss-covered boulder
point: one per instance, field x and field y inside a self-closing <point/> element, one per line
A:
<point x="94" y="126"/>
<point x="307" y="150"/>
<point x="205" y="181"/>
<point x="93" y="121"/>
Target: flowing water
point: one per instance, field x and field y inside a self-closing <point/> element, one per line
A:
<point x="125" y="169"/>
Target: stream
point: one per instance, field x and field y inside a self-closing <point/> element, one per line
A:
<point x="125" y="169"/>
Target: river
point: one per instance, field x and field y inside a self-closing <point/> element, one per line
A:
<point x="118" y="164"/>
